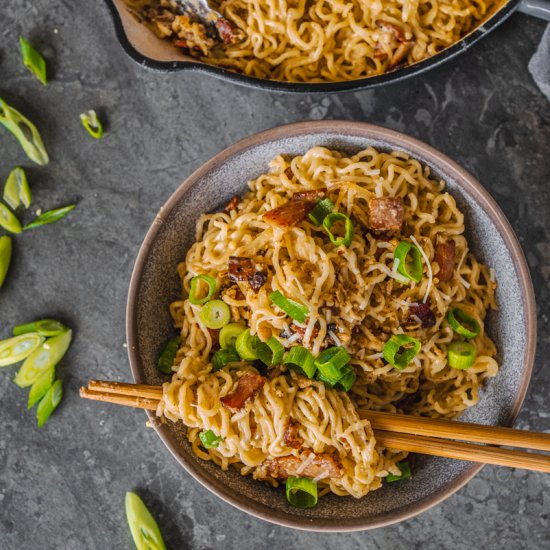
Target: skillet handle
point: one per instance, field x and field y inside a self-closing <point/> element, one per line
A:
<point x="536" y="8"/>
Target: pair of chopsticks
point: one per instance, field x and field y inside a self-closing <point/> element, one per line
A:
<point x="395" y="431"/>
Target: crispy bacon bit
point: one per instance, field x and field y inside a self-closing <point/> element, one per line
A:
<point x="310" y="195"/>
<point x="397" y="32"/>
<point x="302" y="331"/>
<point x="323" y="464"/>
<point x="422" y="313"/>
<point x="291" y="438"/>
<point x="232" y="205"/>
<point x="215" y="336"/>
<point x="288" y="173"/>
<point x="292" y="212"/>
<point x="379" y="52"/>
<point x="248" y="386"/>
<point x="386" y="213"/>
<point x="228" y="32"/>
<point x="258" y="280"/>
<point x="246" y="269"/>
<point x="400" y="53"/>
<point x="445" y="251"/>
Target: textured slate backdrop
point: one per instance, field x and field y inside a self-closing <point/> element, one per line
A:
<point x="63" y="486"/>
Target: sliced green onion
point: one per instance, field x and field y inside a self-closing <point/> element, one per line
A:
<point x="49" y="402"/>
<point x="328" y="224"/>
<point x="320" y="211"/>
<point x="330" y="363"/>
<point x="301" y="492"/>
<point x="400" y="350"/>
<point x="293" y="309"/>
<point x="33" y="60"/>
<point x="246" y="346"/>
<point x="44" y="327"/>
<point x="194" y="291"/>
<point x="345" y="383"/>
<point x="166" y="359"/>
<point x="410" y="261"/>
<point x="210" y="440"/>
<point x="41" y="386"/>
<point x="462" y="323"/>
<point x="405" y="472"/>
<point x="215" y="314"/>
<point x="17" y="190"/>
<point x="300" y="358"/>
<point x="5" y="257"/>
<point x="8" y="220"/>
<point x="461" y="355"/>
<point x="18" y="348"/>
<point x="270" y="352"/>
<point x="43" y="358"/>
<point x="223" y="357"/>
<point x="228" y="334"/>
<point x="91" y="122"/>
<point x="51" y="216"/>
<point x="25" y="132"/>
<point x="144" y="528"/>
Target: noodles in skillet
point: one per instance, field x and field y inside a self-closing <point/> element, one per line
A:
<point x="312" y="259"/>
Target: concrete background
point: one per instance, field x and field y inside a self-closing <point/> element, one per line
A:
<point x="63" y="486"/>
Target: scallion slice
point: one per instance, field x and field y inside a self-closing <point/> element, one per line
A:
<point x="49" y="402"/>
<point x="330" y="363"/>
<point x="328" y="224"/>
<point x="300" y="358"/>
<point x="33" y="60"/>
<point x="410" y="261"/>
<point x="41" y="386"/>
<point x="301" y="492"/>
<point x="13" y="350"/>
<point x="8" y="220"/>
<point x="91" y="122"/>
<point x="462" y="323"/>
<point x="223" y="357"/>
<point x="246" y="346"/>
<point x="405" y="473"/>
<point x="17" y="190"/>
<point x="25" y="132"/>
<point x="51" y="216"/>
<point x="400" y="350"/>
<point x="215" y="314"/>
<point x="209" y="439"/>
<point x="144" y="528"/>
<point x="194" y="291"/>
<point x="228" y="334"/>
<point x="270" y="352"/>
<point x="293" y="309"/>
<point x="5" y="257"/>
<point x="44" y="327"/>
<point x="461" y="355"/>
<point x="168" y="355"/>
<point x="345" y="383"/>
<point x="320" y="211"/>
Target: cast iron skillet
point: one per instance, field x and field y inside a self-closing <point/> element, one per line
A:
<point x="152" y="52"/>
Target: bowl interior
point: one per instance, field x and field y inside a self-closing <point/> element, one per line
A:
<point x="155" y="284"/>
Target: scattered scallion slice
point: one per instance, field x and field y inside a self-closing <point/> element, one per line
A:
<point x="320" y="211"/>
<point x="33" y="60"/>
<point x="405" y="472"/>
<point x="209" y="439"/>
<point x="25" y="132"/>
<point x="41" y="386"/>
<point x="228" y="334"/>
<point x="17" y="190"/>
<point x="461" y="355"/>
<point x="8" y="220"/>
<point x="293" y="309"/>
<point x="195" y="291"/>
<point x="166" y="359"/>
<point x="44" y="327"/>
<point x="13" y="350"/>
<point x="328" y="224"/>
<point x="144" y="528"/>
<point x="330" y="363"/>
<point x="345" y="383"/>
<point x="301" y="492"/>
<point x="51" y="216"/>
<point x="400" y="350"/>
<point x="49" y="402"/>
<point x="302" y="359"/>
<point x="5" y="257"/>
<point x="246" y="346"/>
<point x="462" y="323"/>
<point x="91" y="122"/>
<point x="410" y="261"/>
<point x="215" y="314"/>
<point x="270" y="352"/>
<point x="223" y="357"/>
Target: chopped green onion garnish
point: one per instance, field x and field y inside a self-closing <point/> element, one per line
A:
<point x="44" y="327"/>
<point x="462" y="323"/>
<point x="166" y="359"/>
<point x="300" y="358"/>
<point x="461" y="355"/>
<point x="17" y="190"/>
<point x="405" y="472"/>
<point x="223" y="357"/>
<point x="144" y="528"/>
<point x="228" y="334"/>
<point x="215" y="314"/>
<point x="49" y="402"/>
<point x="210" y="440"/>
<point x="270" y="352"/>
<point x="18" y="348"/>
<point x="5" y="257"/>
<point x="328" y="224"/>
<point x="330" y="363"/>
<point x="400" y="350"/>
<point x="41" y="386"/>
<point x="21" y="127"/>
<point x="92" y="124"/>
<point x="345" y="383"/>
<point x="194" y="291"/>
<point x="246" y="346"/>
<point x="8" y="220"/>
<point x="410" y="261"/>
<point x="43" y="358"/>
<point x="301" y="492"/>
<point x="320" y="211"/>
<point x="51" y="216"/>
<point x="293" y="309"/>
<point x="33" y="60"/>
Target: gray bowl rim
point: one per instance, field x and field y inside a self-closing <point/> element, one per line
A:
<point x="399" y="140"/>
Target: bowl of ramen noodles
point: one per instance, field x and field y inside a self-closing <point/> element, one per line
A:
<point x="311" y="273"/>
<point x="305" y="45"/>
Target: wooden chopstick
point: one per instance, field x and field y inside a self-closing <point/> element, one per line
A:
<point x="120" y="399"/>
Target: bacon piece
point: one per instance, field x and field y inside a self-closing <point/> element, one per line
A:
<point x="258" y="280"/>
<point x="215" y="336"/>
<point x="302" y="331"/>
<point x="386" y="213"/>
<point x="291" y="438"/>
<point x="444" y="255"/>
<point x="310" y="195"/>
<point x="400" y="53"/>
<point x="288" y="173"/>
<point x="423" y="313"/>
<point x="379" y="52"/>
<point x="292" y="212"/>
<point x="396" y="31"/>
<point x="228" y="32"/>
<point x="232" y="205"/>
<point x="248" y="386"/>
<point x="246" y="269"/>
<point x="323" y="464"/>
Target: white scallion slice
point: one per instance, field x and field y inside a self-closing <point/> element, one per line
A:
<point x="18" y="348"/>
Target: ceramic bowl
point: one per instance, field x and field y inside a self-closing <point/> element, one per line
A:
<point x="155" y="284"/>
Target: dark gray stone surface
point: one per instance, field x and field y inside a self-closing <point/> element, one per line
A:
<point x="63" y="486"/>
